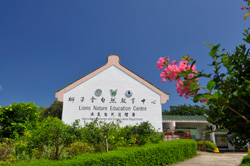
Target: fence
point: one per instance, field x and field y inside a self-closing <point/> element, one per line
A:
<point x="176" y="134"/>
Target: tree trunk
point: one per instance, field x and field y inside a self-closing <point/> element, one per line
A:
<point x="107" y="146"/>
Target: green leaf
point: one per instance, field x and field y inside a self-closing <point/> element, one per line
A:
<point x="210" y="85"/>
<point x="212" y="53"/>
<point x="246" y="40"/>
<point x="193" y="86"/>
<point x="222" y="75"/>
<point x="229" y="69"/>
<point x="218" y="86"/>
<point x="197" y="97"/>
<point x="235" y="93"/>
<point x="207" y="96"/>
<point x="192" y="64"/>
<point x="210" y="45"/>
<point x="217" y="64"/>
<point x="185" y="73"/>
<point x="185" y="57"/>
<point x="217" y="94"/>
<point x="186" y="83"/>
<point x="216" y="78"/>
<point x="206" y="75"/>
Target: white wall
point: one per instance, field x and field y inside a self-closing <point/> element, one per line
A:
<point x="113" y="78"/>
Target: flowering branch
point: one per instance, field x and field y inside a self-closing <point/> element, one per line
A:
<point x="189" y="86"/>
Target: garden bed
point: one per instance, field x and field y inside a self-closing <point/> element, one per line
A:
<point x="151" y="154"/>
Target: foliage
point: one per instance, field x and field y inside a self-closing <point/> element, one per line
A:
<point x="168" y="152"/>
<point x="77" y="148"/>
<point x="210" y="146"/>
<point x="17" y="118"/>
<point x="226" y="94"/>
<point x="231" y="100"/>
<point x="146" y="134"/>
<point x="108" y="136"/>
<point x="55" y="110"/>
<point x="246" y="160"/>
<point x="51" y="138"/>
<point x="6" y="156"/>
<point x="186" y="110"/>
<point x="98" y="133"/>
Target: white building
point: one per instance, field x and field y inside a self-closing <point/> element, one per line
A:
<point x="112" y="92"/>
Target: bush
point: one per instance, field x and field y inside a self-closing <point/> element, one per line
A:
<point x="111" y="136"/>
<point x="246" y="160"/>
<point x="78" y="148"/>
<point x="210" y="146"/>
<point x="168" y="152"/>
<point x="17" y="118"/>
<point x="101" y="134"/>
<point x="6" y="156"/>
<point x="51" y="137"/>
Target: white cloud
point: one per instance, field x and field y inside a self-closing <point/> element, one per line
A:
<point x="1" y="87"/>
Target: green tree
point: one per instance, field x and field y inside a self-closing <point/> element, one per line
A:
<point x="52" y="136"/>
<point x="230" y="103"/>
<point x="17" y="118"/>
<point x="54" y="110"/>
<point x="100" y="133"/>
<point x="186" y="110"/>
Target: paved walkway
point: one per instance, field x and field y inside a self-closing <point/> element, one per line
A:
<point x="213" y="159"/>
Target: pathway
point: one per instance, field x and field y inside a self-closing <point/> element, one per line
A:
<point x="213" y="159"/>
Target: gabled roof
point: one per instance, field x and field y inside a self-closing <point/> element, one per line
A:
<point x="113" y="60"/>
<point x="184" y="118"/>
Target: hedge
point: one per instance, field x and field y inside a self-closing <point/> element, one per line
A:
<point x="246" y="160"/>
<point x="164" y="153"/>
<point x="210" y="146"/>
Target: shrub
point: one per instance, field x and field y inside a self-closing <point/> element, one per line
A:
<point x="210" y="146"/>
<point x="78" y="148"/>
<point x="17" y="118"/>
<point x="246" y="160"/>
<point x="145" y="133"/>
<point x="6" y="156"/>
<point x="101" y="134"/>
<point x="21" y="150"/>
<point x="51" y="137"/>
<point x="168" y="152"/>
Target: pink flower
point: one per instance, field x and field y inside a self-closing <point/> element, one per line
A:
<point x="171" y="73"/>
<point x="161" y="63"/>
<point x="174" y="62"/>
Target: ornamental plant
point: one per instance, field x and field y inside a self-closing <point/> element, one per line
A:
<point x="226" y="94"/>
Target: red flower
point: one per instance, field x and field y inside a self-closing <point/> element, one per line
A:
<point x="242" y="8"/>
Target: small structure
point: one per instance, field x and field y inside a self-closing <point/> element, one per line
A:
<point x="195" y="124"/>
<point x="112" y="92"/>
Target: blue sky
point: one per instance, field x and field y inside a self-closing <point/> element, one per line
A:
<point x="46" y="45"/>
